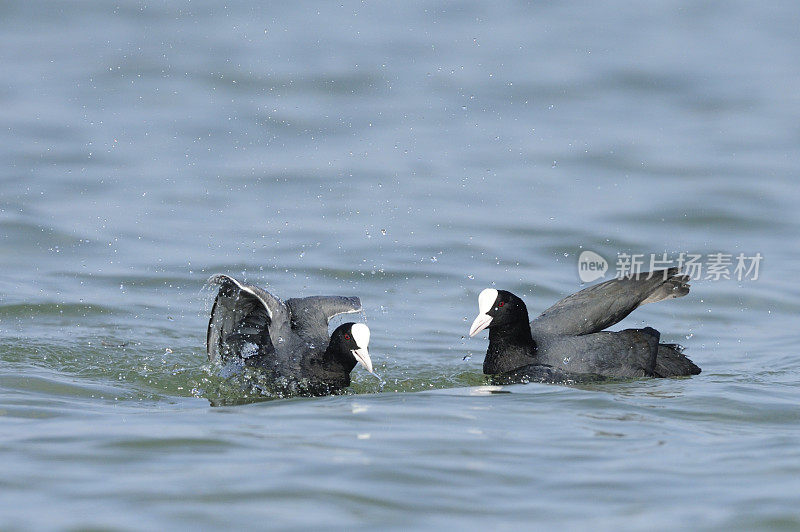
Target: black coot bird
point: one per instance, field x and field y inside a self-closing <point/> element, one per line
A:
<point x="568" y="338"/>
<point x="287" y="340"/>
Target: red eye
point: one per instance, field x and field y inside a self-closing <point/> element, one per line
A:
<point x="501" y="303"/>
<point x="346" y="336"/>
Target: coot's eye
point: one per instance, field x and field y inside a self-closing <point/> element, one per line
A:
<point x="346" y="336"/>
<point x="501" y="303"/>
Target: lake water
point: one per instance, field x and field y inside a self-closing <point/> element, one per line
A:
<point x="411" y="154"/>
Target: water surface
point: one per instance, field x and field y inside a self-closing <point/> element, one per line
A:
<point x="412" y="155"/>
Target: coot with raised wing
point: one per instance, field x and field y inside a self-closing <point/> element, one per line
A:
<point x="287" y="340"/>
<point x="568" y="338"/>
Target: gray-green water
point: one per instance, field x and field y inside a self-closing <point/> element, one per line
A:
<point x="411" y="155"/>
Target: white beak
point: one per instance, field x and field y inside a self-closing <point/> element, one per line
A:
<point x="480" y="323"/>
<point x="362" y="355"/>
<point x="486" y="300"/>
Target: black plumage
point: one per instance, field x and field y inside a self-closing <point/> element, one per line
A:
<point x="288" y="340"/>
<point x="569" y="337"/>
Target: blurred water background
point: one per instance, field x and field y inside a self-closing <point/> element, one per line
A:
<point x="412" y="154"/>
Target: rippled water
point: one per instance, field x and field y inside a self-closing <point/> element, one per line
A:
<point x="411" y="154"/>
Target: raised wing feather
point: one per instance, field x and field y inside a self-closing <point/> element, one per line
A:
<point x="242" y="319"/>
<point x="310" y="315"/>
<point x="602" y="305"/>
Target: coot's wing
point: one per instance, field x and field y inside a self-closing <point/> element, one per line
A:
<point x="310" y="315"/>
<point x="630" y="353"/>
<point x="243" y="320"/>
<point x="602" y="305"/>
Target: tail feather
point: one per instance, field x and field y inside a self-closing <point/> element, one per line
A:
<point x="671" y="362"/>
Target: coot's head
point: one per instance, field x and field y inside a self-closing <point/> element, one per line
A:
<point x="497" y="308"/>
<point x="349" y="343"/>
